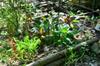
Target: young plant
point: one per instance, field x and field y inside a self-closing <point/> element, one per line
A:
<point x="29" y="46"/>
<point x="12" y="13"/>
<point x="73" y="57"/>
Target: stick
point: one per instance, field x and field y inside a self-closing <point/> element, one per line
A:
<point x="83" y="7"/>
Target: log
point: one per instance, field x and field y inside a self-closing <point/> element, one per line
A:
<point x="48" y="59"/>
<point x="59" y="62"/>
<point x="89" y="42"/>
<point x="53" y="57"/>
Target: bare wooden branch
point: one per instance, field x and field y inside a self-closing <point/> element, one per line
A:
<point x="83" y="7"/>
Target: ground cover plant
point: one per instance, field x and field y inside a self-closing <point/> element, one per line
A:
<point x="30" y="30"/>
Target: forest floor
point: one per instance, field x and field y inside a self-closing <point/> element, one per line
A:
<point x="65" y="39"/>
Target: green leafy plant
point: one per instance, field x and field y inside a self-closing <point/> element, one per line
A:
<point x="10" y="14"/>
<point x="55" y="31"/>
<point x="73" y="56"/>
<point x="5" y="51"/>
<point x="27" y="46"/>
<point x="14" y="13"/>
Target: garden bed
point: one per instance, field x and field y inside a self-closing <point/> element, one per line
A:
<point x="42" y="35"/>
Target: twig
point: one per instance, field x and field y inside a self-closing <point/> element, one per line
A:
<point x="83" y="7"/>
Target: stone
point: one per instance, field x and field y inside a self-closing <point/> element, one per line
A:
<point x="96" y="47"/>
<point x="97" y="27"/>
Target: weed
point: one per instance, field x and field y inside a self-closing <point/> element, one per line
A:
<point x="27" y="46"/>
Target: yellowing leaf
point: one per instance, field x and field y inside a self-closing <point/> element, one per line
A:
<point x="71" y="25"/>
<point x="75" y="21"/>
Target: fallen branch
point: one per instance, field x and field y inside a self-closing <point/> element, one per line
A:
<point x="53" y="57"/>
<point x="83" y="7"/>
<point x="48" y="59"/>
<point x="57" y="63"/>
<point x="91" y="11"/>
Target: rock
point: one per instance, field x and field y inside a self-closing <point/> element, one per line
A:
<point x="96" y="48"/>
<point x="97" y="27"/>
<point x="46" y="49"/>
<point x="16" y="63"/>
<point x="2" y="64"/>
